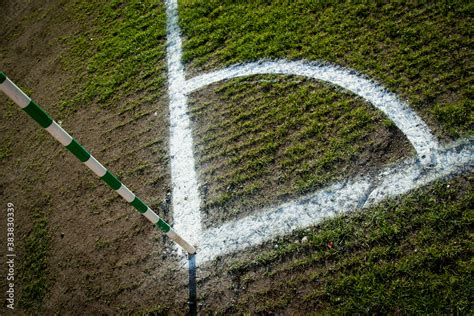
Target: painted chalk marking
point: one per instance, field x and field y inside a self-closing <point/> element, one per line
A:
<point x="432" y="162"/>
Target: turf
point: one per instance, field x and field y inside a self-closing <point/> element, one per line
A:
<point x="122" y="53"/>
<point x="410" y="256"/>
<point x="265" y="139"/>
<point x="119" y="58"/>
<point x="421" y="51"/>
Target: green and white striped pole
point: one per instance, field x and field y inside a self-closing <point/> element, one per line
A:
<point x="43" y="119"/>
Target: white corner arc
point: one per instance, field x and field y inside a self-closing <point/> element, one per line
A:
<point x="411" y="125"/>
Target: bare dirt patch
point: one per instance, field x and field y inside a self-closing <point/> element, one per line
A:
<point x="102" y="257"/>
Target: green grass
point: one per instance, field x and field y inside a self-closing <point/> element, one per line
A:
<point x="410" y="255"/>
<point x="264" y="138"/>
<point x="269" y="138"/>
<point x="120" y="53"/>
<point x="119" y="57"/>
<point x="421" y="51"/>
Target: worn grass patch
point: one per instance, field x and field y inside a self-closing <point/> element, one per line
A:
<point x="409" y="255"/>
<point x="5" y="149"/>
<point x="152" y="311"/>
<point x="34" y="276"/>
<point x="115" y="105"/>
<point x="421" y="51"/>
<point x="264" y="139"/>
<point x="119" y="56"/>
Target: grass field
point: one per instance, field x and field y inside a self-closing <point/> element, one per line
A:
<point x="412" y="255"/>
<point x="267" y="138"/>
<point x="286" y="131"/>
<point x="99" y="67"/>
<point x="271" y="138"/>
<point x="423" y="52"/>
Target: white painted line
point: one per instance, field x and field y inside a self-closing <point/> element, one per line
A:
<point x="396" y="110"/>
<point x="96" y="166"/>
<point x="14" y="93"/>
<point x="59" y="134"/>
<point x="341" y="197"/>
<point x="126" y="193"/>
<point x="186" y="200"/>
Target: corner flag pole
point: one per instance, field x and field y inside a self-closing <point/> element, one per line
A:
<point x="45" y="121"/>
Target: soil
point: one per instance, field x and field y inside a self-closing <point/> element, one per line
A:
<point x="103" y="257"/>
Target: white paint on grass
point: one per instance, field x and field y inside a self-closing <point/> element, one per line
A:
<point x="402" y="116"/>
<point x="339" y="198"/>
<point x="431" y="163"/>
<point x="186" y="200"/>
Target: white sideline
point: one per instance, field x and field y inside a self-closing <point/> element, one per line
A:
<point x="186" y="200"/>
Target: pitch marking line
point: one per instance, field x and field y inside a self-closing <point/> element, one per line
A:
<point x="432" y="162"/>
